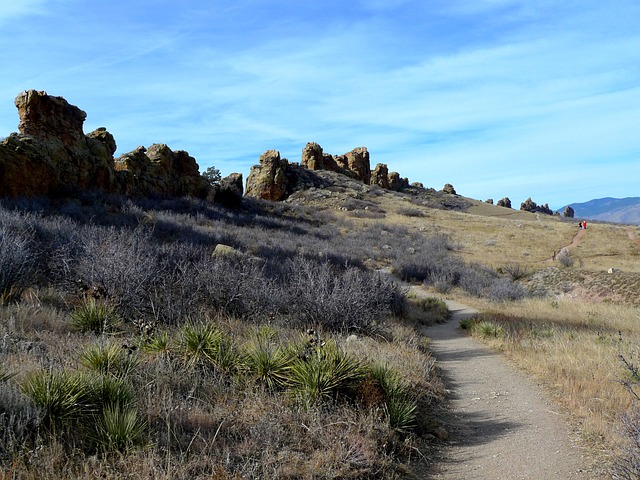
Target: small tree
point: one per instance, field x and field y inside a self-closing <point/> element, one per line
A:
<point x="212" y="175"/>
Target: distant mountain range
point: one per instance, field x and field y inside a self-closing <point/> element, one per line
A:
<point x="618" y="210"/>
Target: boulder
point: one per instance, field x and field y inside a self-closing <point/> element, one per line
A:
<point x="448" y="188"/>
<point x="268" y="180"/>
<point x="504" y="202"/>
<point x="380" y="176"/>
<point x="568" y="212"/>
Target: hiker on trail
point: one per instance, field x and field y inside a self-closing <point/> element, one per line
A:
<point x="584" y="225"/>
<point x="580" y="225"/>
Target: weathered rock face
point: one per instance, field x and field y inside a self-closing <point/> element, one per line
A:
<point x="356" y="163"/>
<point x="568" y="212"/>
<point x="380" y="176"/>
<point x="312" y="157"/>
<point x="504" y="202"/>
<point x="160" y="171"/>
<point x="268" y="180"/>
<point x="396" y="182"/>
<point x="448" y="188"/>
<point x="530" y="206"/>
<point x="52" y="156"/>
<point x="50" y="118"/>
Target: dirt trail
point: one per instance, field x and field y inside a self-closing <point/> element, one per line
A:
<point x="501" y="425"/>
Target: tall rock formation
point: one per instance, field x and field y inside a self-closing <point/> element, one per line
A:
<point x="268" y="180"/>
<point x="380" y="176"/>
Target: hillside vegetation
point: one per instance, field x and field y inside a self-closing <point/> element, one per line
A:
<point x="180" y="339"/>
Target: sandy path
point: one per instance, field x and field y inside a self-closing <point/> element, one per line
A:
<point x="501" y="425"/>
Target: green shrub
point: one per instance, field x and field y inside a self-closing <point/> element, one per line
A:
<point x="435" y="309"/>
<point x="488" y="329"/>
<point x="159" y="344"/>
<point x="95" y="316"/>
<point x="205" y="344"/>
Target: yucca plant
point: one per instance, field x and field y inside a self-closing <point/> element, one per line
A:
<point x="158" y="344"/>
<point x="61" y="395"/>
<point x="489" y="329"/>
<point x="118" y="429"/>
<point x="95" y="316"/>
<point x="399" y="405"/>
<point x="269" y="363"/>
<point x="324" y="373"/>
<point x="108" y="358"/>
<point x="205" y="344"/>
<point x="106" y="391"/>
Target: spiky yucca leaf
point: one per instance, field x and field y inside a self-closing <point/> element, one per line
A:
<point x="400" y="407"/>
<point x="61" y="395"/>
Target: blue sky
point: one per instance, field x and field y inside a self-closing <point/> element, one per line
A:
<point x="500" y="98"/>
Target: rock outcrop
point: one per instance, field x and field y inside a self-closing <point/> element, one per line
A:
<point x="530" y="206"/>
<point x="568" y="212"/>
<point x="448" y="188"/>
<point x="229" y="192"/>
<point x="380" y="176"/>
<point x="51" y="156"/>
<point x="268" y="180"/>
<point x="504" y="202"/>
<point x="159" y="170"/>
<point x="356" y="164"/>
